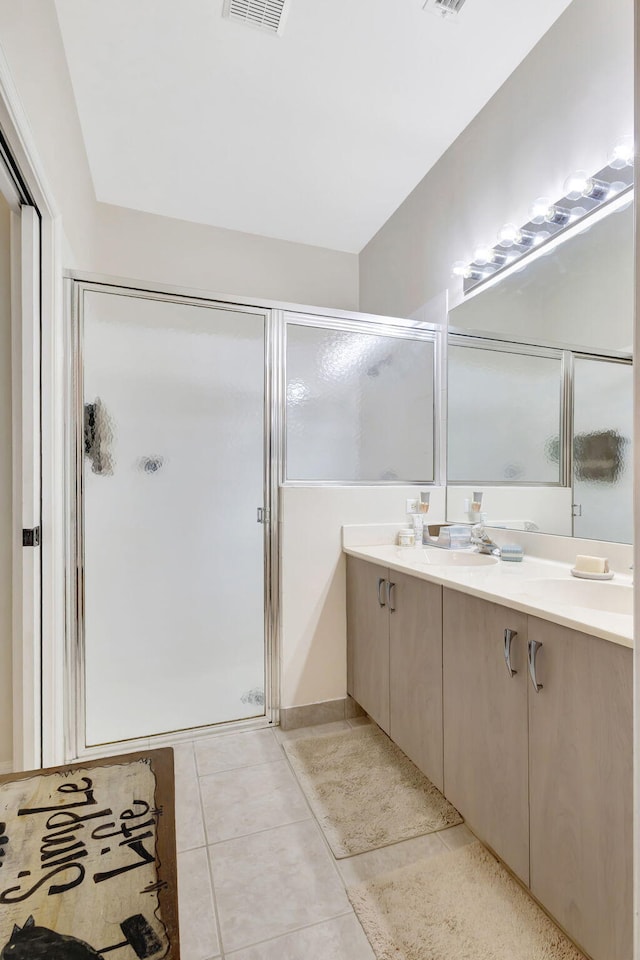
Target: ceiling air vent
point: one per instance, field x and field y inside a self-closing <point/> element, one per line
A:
<point x="445" y="8"/>
<point x="267" y="15"/>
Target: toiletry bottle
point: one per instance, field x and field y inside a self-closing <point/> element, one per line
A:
<point x="418" y="523"/>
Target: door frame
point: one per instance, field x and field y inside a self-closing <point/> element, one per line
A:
<point x="37" y="690"/>
<point x="75" y="745"/>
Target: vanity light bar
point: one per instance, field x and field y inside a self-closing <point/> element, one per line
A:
<point x="583" y="194"/>
<point x="618" y="203"/>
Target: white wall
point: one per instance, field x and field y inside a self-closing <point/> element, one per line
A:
<point x="6" y="509"/>
<point x="128" y="243"/>
<point x="562" y="109"/>
<point x="313" y="575"/>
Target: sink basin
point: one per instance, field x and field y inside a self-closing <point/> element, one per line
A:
<point x="604" y="596"/>
<point x="453" y="558"/>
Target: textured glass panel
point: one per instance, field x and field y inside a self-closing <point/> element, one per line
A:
<point x="174" y="582"/>
<point x="504" y="417"/>
<point x="359" y="407"/>
<point x="602" y="464"/>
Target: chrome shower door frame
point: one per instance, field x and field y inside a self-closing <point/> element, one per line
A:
<point x="75" y="651"/>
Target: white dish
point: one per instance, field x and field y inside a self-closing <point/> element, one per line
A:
<point x="585" y="575"/>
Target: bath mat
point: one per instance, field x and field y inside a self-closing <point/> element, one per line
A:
<point x="365" y="792"/>
<point x="457" y="905"/>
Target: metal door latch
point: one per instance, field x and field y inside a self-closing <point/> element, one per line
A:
<point x="31" y="538"/>
<point x="264" y="515"/>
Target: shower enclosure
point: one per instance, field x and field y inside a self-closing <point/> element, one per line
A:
<point x="172" y="454"/>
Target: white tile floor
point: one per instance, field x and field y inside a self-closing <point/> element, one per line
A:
<point x="257" y="880"/>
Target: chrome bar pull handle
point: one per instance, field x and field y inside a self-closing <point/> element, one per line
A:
<point x="534" y="646"/>
<point x="508" y="639"/>
<point x="391" y="600"/>
<point x="381" y="580"/>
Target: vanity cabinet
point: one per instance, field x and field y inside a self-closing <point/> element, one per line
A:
<point x="368" y="639"/>
<point x="394" y="650"/>
<point x="485" y="723"/>
<point x="525" y="725"/>
<point x="581" y="764"/>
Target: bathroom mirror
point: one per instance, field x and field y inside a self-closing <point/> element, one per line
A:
<point x="540" y="391"/>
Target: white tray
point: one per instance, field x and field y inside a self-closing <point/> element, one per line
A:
<point x="585" y="575"/>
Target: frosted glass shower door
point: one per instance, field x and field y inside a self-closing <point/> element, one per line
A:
<point x="602" y="462"/>
<point x="173" y="472"/>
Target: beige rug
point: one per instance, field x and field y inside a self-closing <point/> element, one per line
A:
<point x="365" y="792"/>
<point x="457" y="906"/>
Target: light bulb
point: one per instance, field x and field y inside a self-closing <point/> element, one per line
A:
<point x="509" y="234"/>
<point x="622" y="154"/>
<point x="576" y="184"/>
<point x="596" y="189"/>
<point x="559" y="216"/>
<point x="482" y="255"/>
<point x="540" y="209"/>
<point x="461" y="269"/>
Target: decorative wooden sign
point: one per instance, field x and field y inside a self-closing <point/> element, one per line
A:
<point x="88" y="862"/>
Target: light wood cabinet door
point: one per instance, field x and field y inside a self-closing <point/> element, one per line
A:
<point x="415" y="658"/>
<point x="581" y="762"/>
<point x="485" y="724"/>
<point x="368" y="638"/>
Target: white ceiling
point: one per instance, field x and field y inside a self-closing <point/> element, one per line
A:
<point x="316" y="136"/>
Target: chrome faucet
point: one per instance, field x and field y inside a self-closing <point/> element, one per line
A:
<point x="482" y="541"/>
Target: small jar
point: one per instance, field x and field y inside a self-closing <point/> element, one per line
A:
<point x="406" y="537"/>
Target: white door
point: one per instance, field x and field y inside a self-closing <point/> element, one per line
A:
<point x="173" y="470"/>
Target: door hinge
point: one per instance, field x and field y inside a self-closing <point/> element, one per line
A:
<point x="264" y="515"/>
<point x="576" y="509"/>
<point x="31" y="537"/>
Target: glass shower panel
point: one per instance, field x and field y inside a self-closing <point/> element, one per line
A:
<point x="602" y="465"/>
<point x="173" y="556"/>
<point x="360" y="407"/>
<point x="504" y="414"/>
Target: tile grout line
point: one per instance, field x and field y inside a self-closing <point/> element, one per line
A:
<point x="256" y="833"/>
<point x="214" y="901"/>
<point x="239" y="766"/>
<point x="288" y="933"/>
<point x="244" y="766"/>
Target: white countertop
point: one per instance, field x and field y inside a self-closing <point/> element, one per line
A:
<point x="504" y="582"/>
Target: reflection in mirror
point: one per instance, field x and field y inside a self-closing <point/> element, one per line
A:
<point x="503" y="414"/>
<point x="602" y="468"/>
<point x="580" y="295"/>
<point x="545" y="434"/>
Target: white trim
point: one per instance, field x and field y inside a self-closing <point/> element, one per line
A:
<point x="16" y="458"/>
<point x="145" y="286"/>
<point x="25" y="297"/>
<point x="53" y="495"/>
<point x="8" y="190"/>
<point x="17" y="132"/>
